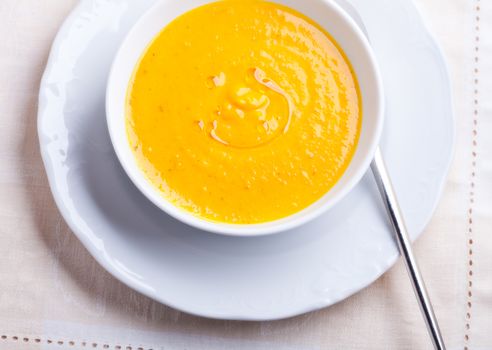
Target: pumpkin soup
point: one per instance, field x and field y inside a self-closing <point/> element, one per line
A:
<point x="243" y="112"/>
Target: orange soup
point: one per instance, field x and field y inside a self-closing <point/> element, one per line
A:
<point x="243" y="112"/>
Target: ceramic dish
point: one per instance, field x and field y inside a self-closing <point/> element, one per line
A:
<point x="260" y="278"/>
<point x="337" y="23"/>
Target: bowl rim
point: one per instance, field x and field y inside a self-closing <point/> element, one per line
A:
<point x="260" y="229"/>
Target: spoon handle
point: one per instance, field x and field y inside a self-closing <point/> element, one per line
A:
<point x="404" y="245"/>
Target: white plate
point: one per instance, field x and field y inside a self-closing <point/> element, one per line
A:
<point x="259" y="278"/>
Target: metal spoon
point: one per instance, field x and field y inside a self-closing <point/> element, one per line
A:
<point x="390" y="200"/>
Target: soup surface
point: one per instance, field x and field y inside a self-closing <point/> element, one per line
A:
<point x="243" y="111"/>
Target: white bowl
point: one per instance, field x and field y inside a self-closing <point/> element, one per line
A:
<point x="326" y="13"/>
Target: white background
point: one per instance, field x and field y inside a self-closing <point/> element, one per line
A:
<point x="51" y="290"/>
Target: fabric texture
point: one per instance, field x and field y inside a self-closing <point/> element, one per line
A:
<point x="54" y="295"/>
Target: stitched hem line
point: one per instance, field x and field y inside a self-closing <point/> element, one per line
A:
<point x="469" y="294"/>
<point x="69" y="343"/>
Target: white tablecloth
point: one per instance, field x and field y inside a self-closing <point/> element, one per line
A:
<point x="53" y="295"/>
